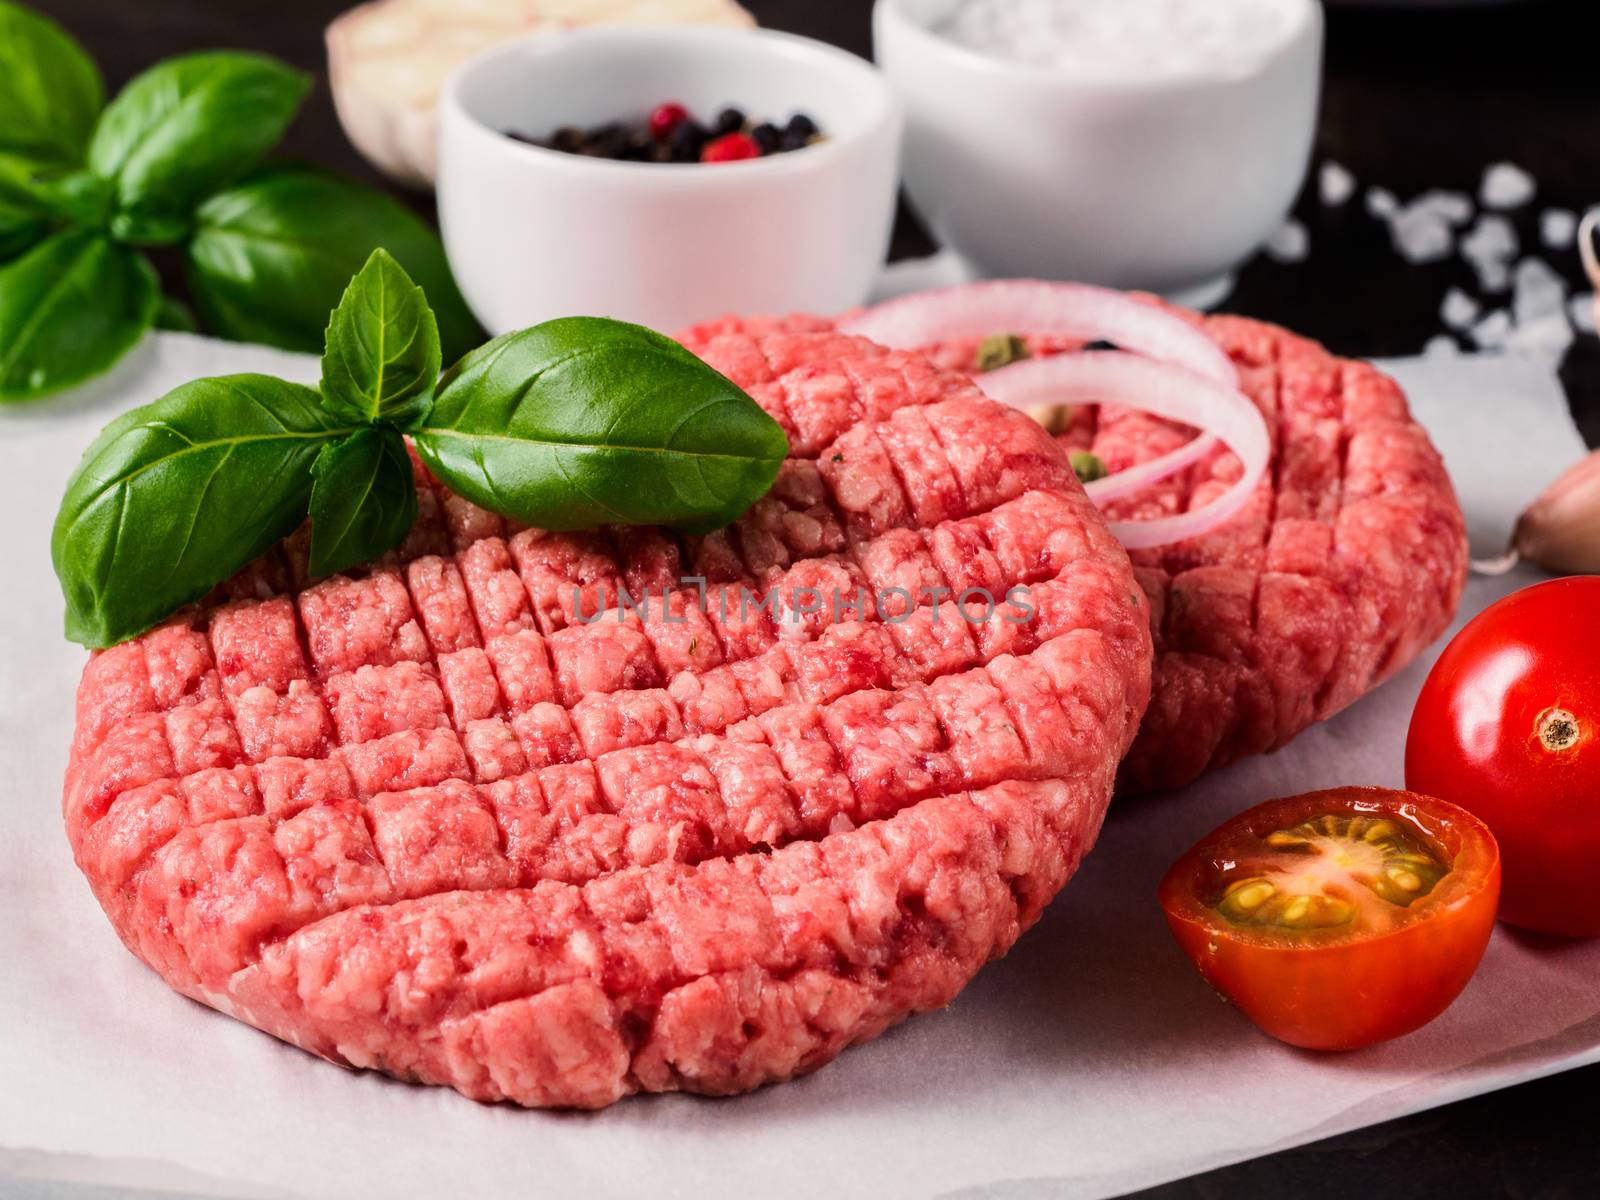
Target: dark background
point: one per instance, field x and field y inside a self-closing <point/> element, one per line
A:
<point x="1413" y="100"/>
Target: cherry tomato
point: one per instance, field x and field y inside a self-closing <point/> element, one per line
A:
<point x="1508" y="727"/>
<point x="1340" y="918"/>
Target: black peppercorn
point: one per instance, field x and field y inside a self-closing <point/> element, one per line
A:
<point x="768" y="136"/>
<point x="568" y="138"/>
<point x="687" y="140"/>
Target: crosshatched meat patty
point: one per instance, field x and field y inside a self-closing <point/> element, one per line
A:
<point x="433" y="819"/>
<point x="1348" y="561"/>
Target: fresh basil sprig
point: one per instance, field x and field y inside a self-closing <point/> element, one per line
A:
<point x="173" y="160"/>
<point x="574" y="423"/>
<point x="363" y="499"/>
<point x="177" y="496"/>
<point x="272" y="254"/>
<point x="583" y="421"/>
<point x="69" y="308"/>
<point x="382" y="357"/>
<point x="182" y="129"/>
<point x="50" y="90"/>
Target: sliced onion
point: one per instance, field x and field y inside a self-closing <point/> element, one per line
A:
<point x="1025" y="306"/>
<point x="1173" y="393"/>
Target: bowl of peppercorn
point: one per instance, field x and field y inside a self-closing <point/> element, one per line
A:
<point x="665" y="175"/>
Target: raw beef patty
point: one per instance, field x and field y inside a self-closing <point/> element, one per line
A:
<point x="1348" y="561"/>
<point x="428" y="819"/>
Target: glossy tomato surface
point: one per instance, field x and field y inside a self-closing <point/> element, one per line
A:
<point x="1508" y="727"/>
<point x="1339" y="918"/>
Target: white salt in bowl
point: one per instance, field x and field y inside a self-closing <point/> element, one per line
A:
<point x="534" y="234"/>
<point x="1162" y="180"/>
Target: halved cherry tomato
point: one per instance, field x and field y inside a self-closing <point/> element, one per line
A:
<point x="1508" y="727"/>
<point x="1340" y="918"/>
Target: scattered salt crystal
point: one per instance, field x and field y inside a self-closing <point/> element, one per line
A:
<point x="1382" y="203"/>
<point x="1421" y="236"/>
<point x="1492" y="237"/>
<point x="1558" y="228"/>
<point x="1491" y="332"/>
<point x="1441" y="346"/>
<point x="1335" y="184"/>
<point x="1290" y="244"/>
<point x="1490" y="246"/>
<point x="1547" y="337"/>
<point x="1459" y="310"/>
<point x="1452" y="207"/>
<point x="1493" y="276"/>
<point x="1506" y="185"/>
<point x="1581" y="309"/>
<point x="1539" y="292"/>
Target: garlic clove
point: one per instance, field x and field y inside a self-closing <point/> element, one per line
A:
<point x="1560" y="531"/>
<point x="388" y="60"/>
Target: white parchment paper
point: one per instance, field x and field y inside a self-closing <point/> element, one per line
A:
<point x="1090" y="1061"/>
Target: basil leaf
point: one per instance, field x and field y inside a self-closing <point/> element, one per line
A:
<point x="192" y="123"/>
<point x="173" y="314"/>
<point x="175" y="497"/>
<point x="23" y="219"/>
<point x="382" y="358"/>
<point x="69" y="308"/>
<point x="363" y="500"/>
<point x="35" y="195"/>
<point x="147" y="228"/>
<point x="584" y="421"/>
<point x="50" y="90"/>
<point x="78" y="197"/>
<point x="271" y="257"/>
<point x="15" y="237"/>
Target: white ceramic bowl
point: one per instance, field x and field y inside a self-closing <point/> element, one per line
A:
<point x="534" y="234"/>
<point x="1163" y="185"/>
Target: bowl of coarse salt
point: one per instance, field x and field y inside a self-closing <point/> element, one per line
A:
<point x="1150" y="144"/>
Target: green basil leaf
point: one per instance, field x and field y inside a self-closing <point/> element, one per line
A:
<point x="190" y="124"/>
<point x="382" y="359"/>
<point x="363" y="500"/>
<point x="147" y="228"/>
<point x="271" y="257"/>
<point x="50" y="90"/>
<point x="584" y="421"/>
<point x="175" y="497"/>
<point x="23" y="220"/>
<point x="173" y="314"/>
<point x="18" y="236"/>
<point x="79" y="197"/>
<point x="69" y="308"/>
<point x="20" y="228"/>
<point x="31" y="195"/>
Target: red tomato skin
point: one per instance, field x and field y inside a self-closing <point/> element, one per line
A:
<point x="1345" y="997"/>
<point x="1353" y="993"/>
<point x="1473" y="741"/>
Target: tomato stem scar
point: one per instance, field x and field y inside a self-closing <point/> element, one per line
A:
<point x="1557" y="729"/>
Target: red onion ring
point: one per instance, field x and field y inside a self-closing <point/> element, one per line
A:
<point x="1026" y="306"/>
<point x="1165" y="366"/>
<point x="1167" y="391"/>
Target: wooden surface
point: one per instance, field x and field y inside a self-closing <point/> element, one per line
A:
<point x="1414" y="99"/>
